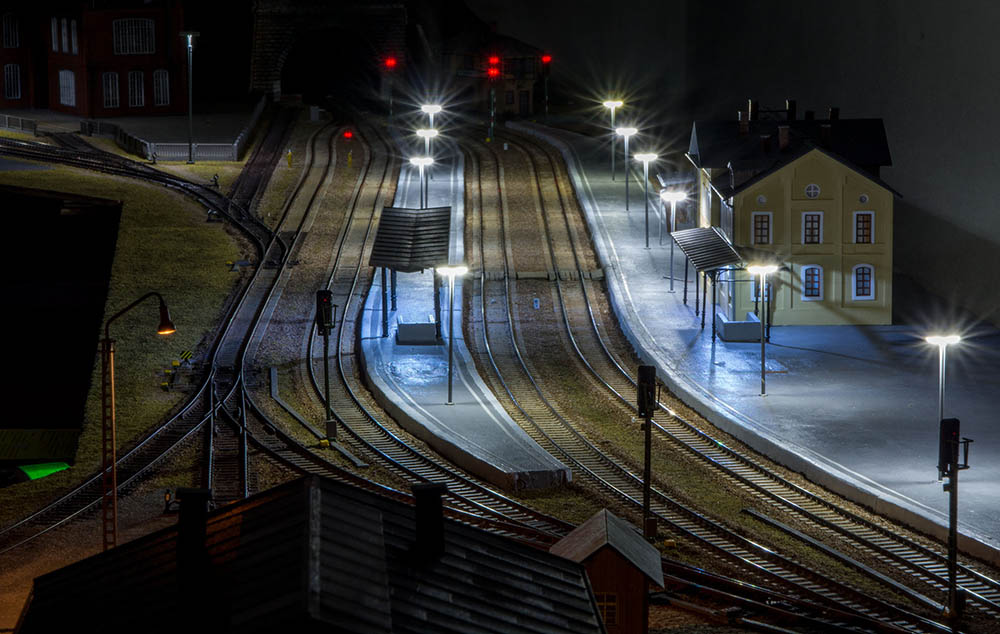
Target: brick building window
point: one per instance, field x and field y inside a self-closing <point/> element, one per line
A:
<point x="864" y="282"/>
<point x="11" y="31"/>
<point x="812" y="227"/>
<point x="812" y="282"/>
<point x="607" y="603"/>
<point x="134" y="36"/>
<point x="136" y="90"/>
<point x="11" y="81"/>
<point x="72" y="37"/>
<point x="65" y="35"/>
<point x="110" y="83"/>
<point x="67" y="88"/>
<point x="161" y="87"/>
<point x="761" y="225"/>
<point x="864" y="227"/>
<point x="55" y="35"/>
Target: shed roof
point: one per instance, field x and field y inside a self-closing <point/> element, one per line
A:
<point x="604" y="528"/>
<point x="411" y="240"/>
<point x="706" y="248"/>
<point x="318" y="555"/>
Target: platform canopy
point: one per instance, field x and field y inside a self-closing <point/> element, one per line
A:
<point x="706" y="248"/>
<point x="410" y="240"/>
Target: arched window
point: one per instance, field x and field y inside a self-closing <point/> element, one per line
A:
<point x="67" y="88"/>
<point x="812" y="283"/>
<point x="863" y="287"/>
<point x="134" y="36"/>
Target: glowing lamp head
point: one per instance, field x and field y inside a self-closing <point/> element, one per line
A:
<point x="546" y="59"/>
<point x="427" y="133"/>
<point x="645" y="157"/>
<point x="453" y="270"/>
<point x="762" y="269"/>
<point x="430" y="108"/>
<point x="166" y="326"/>
<point x="613" y="104"/>
<point x="421" y="161"/>
<point x="390" y="62"/>
<point x="626" y="132"/>
<point x="673" y="196"/>
<point x="942" y="340"/>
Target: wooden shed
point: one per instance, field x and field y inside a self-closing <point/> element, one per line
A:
<point x="620" y="564"/>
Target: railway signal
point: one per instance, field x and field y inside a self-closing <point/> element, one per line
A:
<point x="646" y="403"/>
<point x="492" y="74"/>
<point x="389" y="64"/>
<point x="950" y="442"/>
<point x="546" y="64"/>
<point x="326" y="321"/>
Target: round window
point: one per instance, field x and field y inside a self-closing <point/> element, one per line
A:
<point x="863" y="198"/>
<point x="812" y="190"/>
<point x="762" y="199"/>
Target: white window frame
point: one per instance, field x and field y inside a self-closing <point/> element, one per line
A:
<point x="136" y="89"/>
<point x="161" y="87"/>
<point x="12" y="81"/>
<point x="854" y="283"/>
<point x="67" y="88"/>
<point x="11" y="31"/>
<point x="802" y="222"/>
<point x="112" y="93"/>
<point x="854" y="227"/>
<point x="64" y="23"/>
<point x="822" y="283"/>
<point x="133" y="36"/>
<point x="770" y="226"/>
<point x="72" y="37"/>
<point x="55" y="34"/>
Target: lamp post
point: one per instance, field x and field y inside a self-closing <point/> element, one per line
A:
<point x="674" y="197"/>
<point x="421" y="162"/>
<point x="109" y="431"/>
<point x="451" y="272"/>
<point x="611" y="105"/>
<point x="646" y="158"/>
<point x="762" y="270"/>
<point x="430" y="109"/>
<point x="190" y="35"/>
<point x="626" y="132"/>
<point x="942" y="342"/>
<point x="427" y="134"/>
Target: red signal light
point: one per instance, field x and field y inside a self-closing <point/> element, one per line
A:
<point x="546" y="59"/>
<point x="492" y="71"/>
<point x="348" y="134"/>
<point x="390" y="62"/>
<point x="494" y="60"/>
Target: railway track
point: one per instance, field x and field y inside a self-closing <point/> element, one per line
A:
<point x="551" y="428"/>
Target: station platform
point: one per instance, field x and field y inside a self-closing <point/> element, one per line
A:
<point x="852" y="408"/>
<point x="411" y="381"/>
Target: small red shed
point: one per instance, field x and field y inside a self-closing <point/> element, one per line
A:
<point x="620" y="564"/>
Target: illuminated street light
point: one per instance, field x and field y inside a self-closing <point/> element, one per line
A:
<point x="942" y="342"/>
<point x="109" y="443"/>
<point x="762" y="270"/>
<point x="611" y="105"/>
<point x="431" y="109"/>
<point x="451" y="272"/>
<point x="674" y="197"/>
<point x="646" y="158"/>
<point x="626" y="132"/>
<point x="422" y="162"/>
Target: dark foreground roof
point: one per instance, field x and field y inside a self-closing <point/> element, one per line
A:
<point x="706" y="248"/>
<point x="319" y="556"/>
<point x="410" y="240"/>
<point x="605" y="528"/>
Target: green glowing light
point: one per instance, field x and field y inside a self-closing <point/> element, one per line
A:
<point x="36" y="471"/>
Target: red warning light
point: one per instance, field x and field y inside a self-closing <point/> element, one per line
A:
<point x="348" y="134"/>
<point x="494" y="60"/>
<point x="492" y="71"/>
<point x="390" y="62"/>
<point x="546" y="59"/>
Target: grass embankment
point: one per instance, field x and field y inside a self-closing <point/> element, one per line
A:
<point x="164" y="244"/>
<point x="22" y="136"/>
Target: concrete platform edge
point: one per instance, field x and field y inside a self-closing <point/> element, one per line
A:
<point x="814" y="467"/>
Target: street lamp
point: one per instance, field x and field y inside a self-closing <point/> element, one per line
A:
<point x="611" y="105"/>
<point x="451" y="272"/>
<point x="430" y="109"/>
<point x="190" y="35"/>
<point x="422" y="162"/>
<point x="626" y="132"/>
<point x="646" y="158"/>
<point x="942" y="342"/>
<point x="674" y="197"/>
<point x="762" y="270"/>
<point x="109" y="458"/>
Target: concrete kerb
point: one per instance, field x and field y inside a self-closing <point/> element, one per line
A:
<point x="815" y="467"/>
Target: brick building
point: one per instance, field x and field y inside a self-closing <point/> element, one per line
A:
<point x="95" y="59"/>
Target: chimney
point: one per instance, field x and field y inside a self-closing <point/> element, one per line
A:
<point x="783" y="134"/>
<point x="790" y="109"/>
<point x="429" y="544"/>
<point x="834" y="113"/>
<point x="753" y="107"/>
<point x="744" y="123"/>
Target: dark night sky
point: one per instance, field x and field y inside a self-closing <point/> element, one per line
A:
<point x="926" y="67"/>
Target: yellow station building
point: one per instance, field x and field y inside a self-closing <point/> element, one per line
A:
<point x="805" y="195"/>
